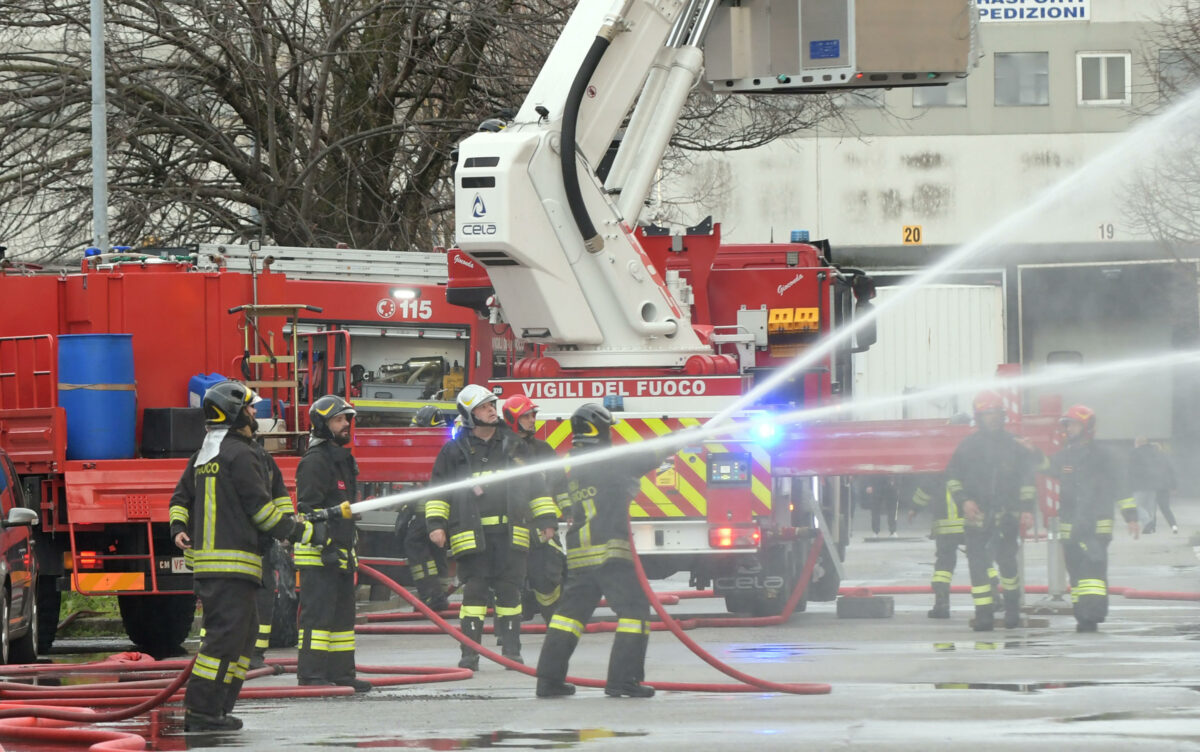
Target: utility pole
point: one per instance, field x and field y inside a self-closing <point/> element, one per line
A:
<point x="99" y="133"/>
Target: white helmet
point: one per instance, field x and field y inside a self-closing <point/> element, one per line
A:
<point x="471" y="397"/>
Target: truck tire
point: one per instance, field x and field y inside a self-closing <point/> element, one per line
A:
<point x="158" y="624"/>
<point x="780" y="561"/>
<point x="826" y="582"/>
<point x="49" y="606"/>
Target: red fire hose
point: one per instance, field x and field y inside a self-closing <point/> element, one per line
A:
<point x="749" y="683"/>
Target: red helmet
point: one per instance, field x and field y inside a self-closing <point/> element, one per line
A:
<point x="988" y="402"/>
<point x="514" y="408"/>
<point x="1083" y="415"/>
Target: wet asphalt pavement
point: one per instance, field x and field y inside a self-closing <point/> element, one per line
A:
<point x="901" y="683"/>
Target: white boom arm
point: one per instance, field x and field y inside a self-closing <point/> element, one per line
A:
<point x="558" y="245"/>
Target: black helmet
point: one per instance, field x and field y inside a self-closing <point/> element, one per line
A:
<point x="591" y="424"/>
<point x="429" y="416"/>
<point x="224" y="402"/>
<point x="325" y="408"/>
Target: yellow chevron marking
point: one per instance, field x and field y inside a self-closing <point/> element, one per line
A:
<point x="558" y="435"/>
<point x="666" y="479"/>
<point x="689" y="422"/>
<point x="761" y="491"/>
<point x="716" y="447"/>
<point x="660" y="499"/>
<point x="627" y="432"/>
<point x="658" y="426"/>
<point x="689" y="492"/>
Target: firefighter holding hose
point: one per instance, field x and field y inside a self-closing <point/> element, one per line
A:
<point x="599" y="563"/>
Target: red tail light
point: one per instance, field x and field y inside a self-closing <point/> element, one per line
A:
<point x="88" y="560"/>
<point x="734" y="536"/>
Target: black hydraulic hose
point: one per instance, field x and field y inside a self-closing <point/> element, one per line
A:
<point x="570" y="172"/>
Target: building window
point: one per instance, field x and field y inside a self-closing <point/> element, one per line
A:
<point x="1022" y="79"/>
<point x="953" y="94"/>
<point x="1103" y="78"/>
<point x="1178" y="73"/>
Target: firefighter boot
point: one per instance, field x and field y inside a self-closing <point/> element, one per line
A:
<point x="626" y="666"/>
<point x="1012" y="609"/>
<point x="941" y="601"/>
<point x="196" y="721"/>
<point x="472" y="628"/>
<point x="509" y="628"/>
<point x="552" y="664"/>
<point x="984" y="620"/>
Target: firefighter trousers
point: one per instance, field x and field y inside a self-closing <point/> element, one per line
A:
<point x="264" y="601"/>
<point x="229" y="627"/>
<point x="498" y="569"/>
<point x="994" y="541"/>
<point x="326" y="625"/>
<point x="547" y="570"/>
<point x="945" y="558"/>
<point x="1087" y="569"/>
<point x="617" y="581"/>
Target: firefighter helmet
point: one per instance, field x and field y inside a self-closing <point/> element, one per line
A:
<point x="471" y="397"/>
<point x="515" y="407"/>
<point x="429" y="416"/>
<point x="1084" y="416"/>
<point x="591" y="424"/>
<point x="320" y="412"/>
<point x="988" y="402"/>
<point x="224" y="403"/>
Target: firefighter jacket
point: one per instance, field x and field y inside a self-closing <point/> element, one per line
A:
<point x="225" y="504"/>
<point x="931" y="494"/>
<point x="530" y="451"/>
<point x="279" y="492"/>
<point x="465" y="514"/>
<point x="327" y="476"/>
<point x="599" y="497"/>
<point x="996" y="472"/>
<point x="1090" y="483"/>
<point x="1149" y="469"/>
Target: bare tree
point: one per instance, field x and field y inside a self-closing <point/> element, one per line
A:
<point x="306" y="123"/>
<point x="300" y="122"/>
<point x="1164" y="192"/>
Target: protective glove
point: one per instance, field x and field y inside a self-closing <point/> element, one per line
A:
<point x="331" y="555"/>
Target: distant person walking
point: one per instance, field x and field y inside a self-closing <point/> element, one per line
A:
<point x="1152" y="479"/>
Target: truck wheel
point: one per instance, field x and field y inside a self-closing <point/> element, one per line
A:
<point x="158" y="623"/>
<point x="826" y="582"/>
<point x="781" y="570"/>
<point x="49" y="606"/>
<point x="740" y="603"/>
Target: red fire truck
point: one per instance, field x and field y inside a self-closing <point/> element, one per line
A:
<point x="375" y="327"/>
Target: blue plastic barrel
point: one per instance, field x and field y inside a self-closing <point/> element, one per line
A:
<point x="199" y="384"/>
<point x="96" y="388"/>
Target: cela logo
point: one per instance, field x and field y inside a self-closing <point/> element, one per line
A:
<point x="478" y="209"/>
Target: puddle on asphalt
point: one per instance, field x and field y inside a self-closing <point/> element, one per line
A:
<point x="773" y="652"/>
<point x="1040" y="686"/>
<point x="949" y="647"/>
<point x="494" y="740"/>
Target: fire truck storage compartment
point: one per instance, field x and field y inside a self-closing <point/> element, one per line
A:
<point x="172" y="431"/>
<point x="96" y="388"/>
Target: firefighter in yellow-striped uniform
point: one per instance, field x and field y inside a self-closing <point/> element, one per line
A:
<point x="1091" y="483"/>
<point x="547" y="559"/>
<point x="488" y="526"/>
<point x="221" y="508"/>
<point x="327" y="477"/>
<point x="990" y="478"/>
<point x="930" y="493"/>
<point x="599" y="563"/>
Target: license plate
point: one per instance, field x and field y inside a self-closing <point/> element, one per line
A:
<point x="179" y="565"/>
